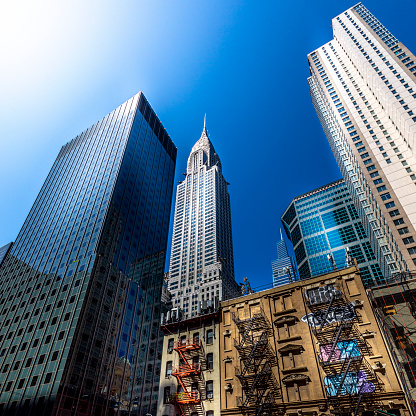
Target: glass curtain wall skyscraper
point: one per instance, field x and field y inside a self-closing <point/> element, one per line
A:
<point x="202" y="262"/>
<point x="284" y="267"/>
<point x="80" y="290"/>
<point x="363" y="88"/>
<point x="325" y="222"/>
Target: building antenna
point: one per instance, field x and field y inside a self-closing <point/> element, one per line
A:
<point x="281" y="237"/>
<point x="205" y="122"/>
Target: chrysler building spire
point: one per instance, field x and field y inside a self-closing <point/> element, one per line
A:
<point x="202" y="265"/>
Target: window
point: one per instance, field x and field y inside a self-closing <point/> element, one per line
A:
<point x="210" y="389"/>
<point x="21" y="383"/>
<point x="394" y="213"/>
<point x="210" y="336"/>
<point x="399" y="221"/>
<point x="403" y="230"/>
<point x="381" y="188"/>
<point x="54" y="355"/>
<point x="210" y="413"/>
<point x="170" y="345"/>
<point x="386" y="196"/>
<point x="168" y="368"/>
<point x="34" y="381"/>
<point x="41" y="359"/>
<point x="48" y="378"/>
<point x="408" y="240"/>
<point x="210" y="361"/>
<point x="166" y="395"/>
<point x="390" y="204"/>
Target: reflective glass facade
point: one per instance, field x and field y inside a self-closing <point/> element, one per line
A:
<point x="284" y="267"/>
<point x="80" y="289"/>
<point x="3" y="251"/>
<point x="324" y="222"/>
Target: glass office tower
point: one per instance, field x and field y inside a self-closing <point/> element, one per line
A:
<point x="80" y="290"/>
<point x="363" y="88"/>
<point x="3" y="251"/>
<point x="324" y="222"/>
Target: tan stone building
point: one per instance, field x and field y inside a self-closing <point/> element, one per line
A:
<point x="308" y="348"/>
<point x="190" y="371"/>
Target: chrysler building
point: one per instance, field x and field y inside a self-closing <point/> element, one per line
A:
<point x="201" y="269"/>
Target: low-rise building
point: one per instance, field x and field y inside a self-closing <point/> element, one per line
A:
<point x="190" y="371"/>
<point x="312" y="347"/>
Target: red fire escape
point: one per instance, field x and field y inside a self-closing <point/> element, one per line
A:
<point x="185" y="373"/>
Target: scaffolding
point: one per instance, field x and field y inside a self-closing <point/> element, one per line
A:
<point x="256" y="361"/>
<point x="350" y="379"/>
<point x="187" y="399"/>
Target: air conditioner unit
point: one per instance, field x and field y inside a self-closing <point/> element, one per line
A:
<point x="228" y="387"/>
<point x="210" y="395"/>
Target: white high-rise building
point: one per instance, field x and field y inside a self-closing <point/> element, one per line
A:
<point x="363" y="88"/>
<point x="201" y="264"/>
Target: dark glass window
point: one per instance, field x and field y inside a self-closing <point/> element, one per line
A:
<point x="48" y="378"/>
<point x="210" y="361"/>
<point x="210" y="389"/>
<point x="210" y="336"/>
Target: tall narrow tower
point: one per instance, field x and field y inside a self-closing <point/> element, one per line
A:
<point x="363" y="88"/>
<point x="284" y="267"/>
<point x="202" y="263"/>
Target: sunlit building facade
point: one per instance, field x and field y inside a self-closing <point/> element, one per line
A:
<point x="324" y="222"/>
<point x="363" y="88"/>
<point x="80" y="290"/>
<point x="202" y="261"/>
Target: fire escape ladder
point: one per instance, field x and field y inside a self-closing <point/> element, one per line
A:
<point x="266" y="405"/>
<point x="327" y="310"/>
<point x="247" y="331"/>
<point x="344" y="375"/>
<point x="185" y="373"/>
<point x="334" y="344"/>
<point x="260" y="376"/>
<point x="260" y="342"/>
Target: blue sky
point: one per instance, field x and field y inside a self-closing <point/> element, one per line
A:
<point x="65" y="65"/>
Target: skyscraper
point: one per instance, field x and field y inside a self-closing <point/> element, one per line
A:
<point x="4" y="250"/>
<point x="324" y="222"/>
<point x="284" y="267"/>
<point x="363" y="88"/>
<point x="201" y="262"/>
<point x="80" y="290"/>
